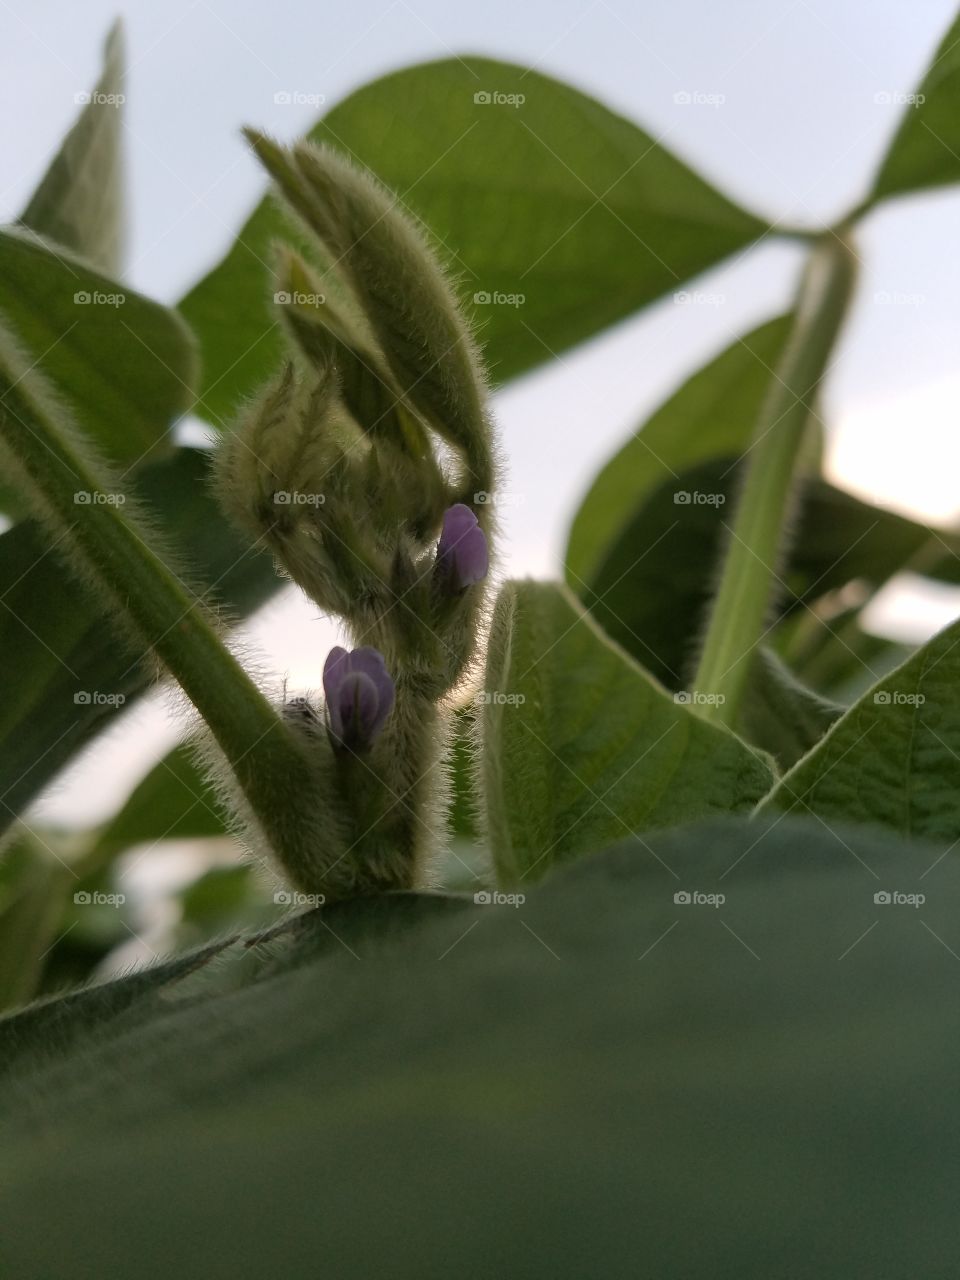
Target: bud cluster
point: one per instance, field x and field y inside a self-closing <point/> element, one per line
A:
<point x="381" y="408"/>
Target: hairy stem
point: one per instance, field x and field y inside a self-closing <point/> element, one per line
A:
<point x="103" y="539"/>
<point x="747" y="581"/>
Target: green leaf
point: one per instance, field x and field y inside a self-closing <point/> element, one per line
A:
<point x="652" y="588"/>
<point x="925" y="151"/>
<point x="558" y="200"/>
<point x="61" y="644"/>
<point x="894" y="757"/>
<point x="127" y="368"/>
<point x="415" y="1051"/>
<point x="581" y="746"/>
<point x="840" y="539"/>
<point x="782" y="716"/>
<point x="711" y="415"/>
<point x="79" y="202"/>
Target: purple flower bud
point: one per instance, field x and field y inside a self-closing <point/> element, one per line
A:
<point x="359" y="695"/>
<point x="462" y="556"/>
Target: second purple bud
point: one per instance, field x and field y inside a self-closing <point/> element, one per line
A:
<point x="462" y="554"/>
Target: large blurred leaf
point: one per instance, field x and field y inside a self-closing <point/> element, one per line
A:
<point x="126" y="367"/>
<point x="558" y="200"/>
<point x="894" y="757"/>
<point x="712" y="415"/>
<point x="79" y="202"/>
<point x="687" y="1087"/>
<point x="926" y="149"/>
<point x="581" y="745"/>
<point x="61" y="646"/>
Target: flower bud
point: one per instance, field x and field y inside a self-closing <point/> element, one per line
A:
<point x="359" y="693"/>
<point x="462" y="555"/>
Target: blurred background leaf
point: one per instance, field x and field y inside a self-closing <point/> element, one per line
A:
<point x="548" y="201"/>
<point x="126" y="369"/>
<point x="925" y="151"/>
<point x="79" y="202"/>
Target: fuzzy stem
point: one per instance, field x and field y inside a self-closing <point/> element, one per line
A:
<point x="753" y="552"/>
<point x="269" y="763"/>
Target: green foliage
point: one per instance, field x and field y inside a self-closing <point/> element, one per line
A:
<point x="62" y="647"/>
<point x="709" y="417"/>
<point x="926" y="149"/>
<point x="546" y="200"/>
<point x="126" y="366"/>
<point x="781" y="715"/>
<point x="894" y="757"/>
<point x="79" y="202"/>
<point x="581" y="746"/>
<point x="255" y="1106"/>
<point x="364" y="384"/>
